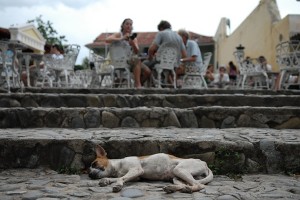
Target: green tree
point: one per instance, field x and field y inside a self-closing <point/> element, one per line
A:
<point x="49" y="33"/>
<point x="85" y="63"/>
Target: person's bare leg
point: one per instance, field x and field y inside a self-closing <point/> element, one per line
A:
<point x="24" y="78"/>
<point x="146" y="73"/>
<point x="137" y="75"/>
<point x="277" y="81"/>
<point x="180" y="71"/>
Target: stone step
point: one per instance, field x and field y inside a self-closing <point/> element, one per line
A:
<point x="236" y="150"/>
<point x="144" y="91"/>
<point x="148" y="100"/>
<point x="112" y="117"/>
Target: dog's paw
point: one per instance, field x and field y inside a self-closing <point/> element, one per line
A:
<point x="117" y="188"/>
<point x="104" y="182"/>
<point x="186" y="189"/>
<point x="169" y="189"/>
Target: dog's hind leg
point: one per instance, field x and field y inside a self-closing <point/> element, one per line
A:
<point x="179" y="185"/>
<point x="184" y="172"/>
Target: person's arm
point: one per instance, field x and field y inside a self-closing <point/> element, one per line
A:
<point x="189" y="59"/>
<point x="210" y="75"/>
<point x="134" y="44"/>
<point x="116" y="37"/>
<point x="152" y="50"/>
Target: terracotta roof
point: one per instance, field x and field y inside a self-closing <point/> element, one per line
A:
<point x="146" y="38"/>
<point x="201" y="39"/>
<point x="4" y="33"/>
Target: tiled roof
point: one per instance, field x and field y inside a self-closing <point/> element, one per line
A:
<point x="146" y="38"/>
<point x="4" y="33"/>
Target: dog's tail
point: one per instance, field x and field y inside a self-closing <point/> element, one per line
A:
<point x="209" y="177"/>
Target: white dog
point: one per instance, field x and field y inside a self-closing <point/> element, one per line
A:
<point x="185" y="173"/>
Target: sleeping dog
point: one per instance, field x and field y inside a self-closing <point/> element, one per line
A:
<point x="186" y="174"/>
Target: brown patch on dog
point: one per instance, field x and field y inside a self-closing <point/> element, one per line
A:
<point x="101" y="161"/>
<point x="100" y="151"/>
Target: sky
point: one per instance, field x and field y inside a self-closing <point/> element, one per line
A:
<point x="81" y="21"/>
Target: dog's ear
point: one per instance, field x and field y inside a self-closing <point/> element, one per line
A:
<point x="100" y="151"/>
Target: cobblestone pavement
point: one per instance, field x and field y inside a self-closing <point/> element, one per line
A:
<point x="45" y="184"/>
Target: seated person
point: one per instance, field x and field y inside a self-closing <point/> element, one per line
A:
<point x="140" y="71"/>
<point x="233" y="72"/>
<point x="165" y="35"/>
<point x="56" y="51"/>
<point x="221" y="79"/>
<point x="32" y="66"/>
<point x="193" y="53"/>
<point x="265" y="67"/>
<point x="263" y="64"/>
<point x="209" y="75"/>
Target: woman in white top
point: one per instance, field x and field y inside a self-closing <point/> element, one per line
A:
<point x="56" y="52"/>
<point x="138" y="67"/>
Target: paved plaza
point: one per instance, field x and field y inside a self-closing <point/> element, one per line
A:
<point x="45" y="184"/>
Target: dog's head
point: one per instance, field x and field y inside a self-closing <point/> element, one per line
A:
<point x="98" y="168"/>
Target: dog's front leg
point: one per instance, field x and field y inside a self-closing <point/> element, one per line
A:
<point x="107" y="181"/>
<point x="131" y="175"/>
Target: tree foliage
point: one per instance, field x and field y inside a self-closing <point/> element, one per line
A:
<point x="49" y="33"/>
<point x="85" y="63"/>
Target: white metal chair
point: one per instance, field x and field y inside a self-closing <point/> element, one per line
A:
<point x="59" y="69"/>
<point x="81" y="78"/>
<point x="251" y="75"/>
<point x="120" y="54"/>
<point x="168" y="57"/>
<point x="104" y="71"/>
<point x="9" y="72"/>
<point x="71" y="52"/>
<point x="32" y="74"/>
<point x="288" y="59"/>
<point x="194" y="75"/>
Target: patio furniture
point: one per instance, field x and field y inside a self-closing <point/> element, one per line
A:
<point x="288" y="59"/>
<point x="26" y="58"/>
<point x="194" y="75"/>
<point x="81" y="78"/>
<point x="251" y="74"/>
<point x="9" y="72"/>
<point x="104" y="71"/>
<point x="168" y="57"/>
<point x="120" y="54"/>
<point x="58" y="69"/>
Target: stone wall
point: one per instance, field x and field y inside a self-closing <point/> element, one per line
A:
<point x="196" y="117"/>
<point x="238" y="150"/>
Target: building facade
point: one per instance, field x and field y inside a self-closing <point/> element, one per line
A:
<point x="259" y="33"/>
